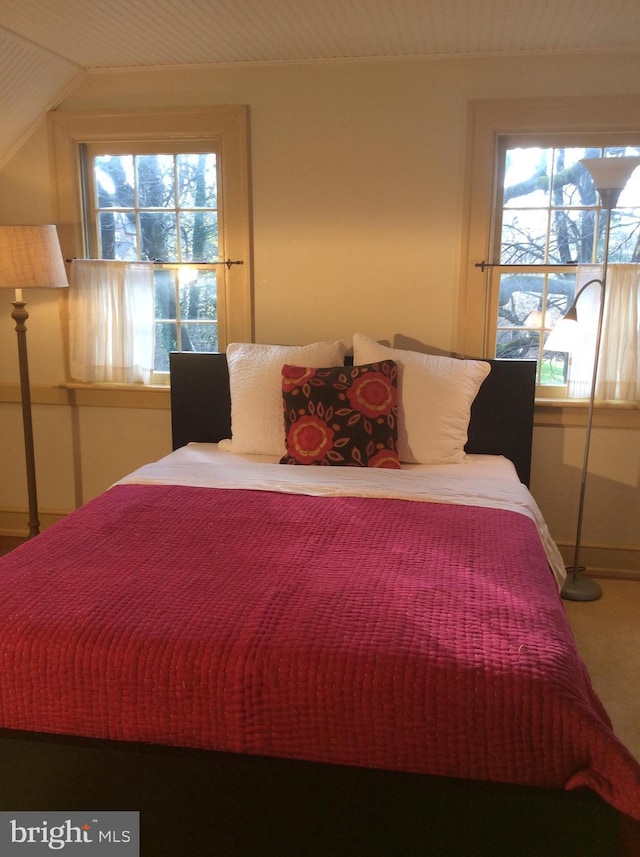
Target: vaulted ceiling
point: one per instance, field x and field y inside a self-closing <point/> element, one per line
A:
<point x="47" y="45"/>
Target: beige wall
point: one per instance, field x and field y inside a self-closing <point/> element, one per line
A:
<point x="358" y="183"/>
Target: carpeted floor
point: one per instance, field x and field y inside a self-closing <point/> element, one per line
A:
<point x="607" y="632"/>
<point x="608" y="636"/>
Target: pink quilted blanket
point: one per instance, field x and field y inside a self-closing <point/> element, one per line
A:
<point x="412" y="636"/>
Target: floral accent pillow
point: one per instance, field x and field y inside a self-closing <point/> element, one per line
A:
<point x="344" y="416"/>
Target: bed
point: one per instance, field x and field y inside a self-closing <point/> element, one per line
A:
<point x="272" y="659"/>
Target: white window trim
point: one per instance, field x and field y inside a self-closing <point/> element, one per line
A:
<point x="227" y="126"/>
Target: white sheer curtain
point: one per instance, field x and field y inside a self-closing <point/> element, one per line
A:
<point x="619" y="365"/>
<point x="111" y="321"/>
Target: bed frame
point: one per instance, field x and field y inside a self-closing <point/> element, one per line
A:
<point x="208" y="804"/>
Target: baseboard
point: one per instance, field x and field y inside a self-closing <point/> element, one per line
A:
<point x="15" y="522"/>
<point x="605" y="560"/>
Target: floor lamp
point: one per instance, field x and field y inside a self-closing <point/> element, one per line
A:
<point x="610" y="175"/>
<point x="30" y="258"/>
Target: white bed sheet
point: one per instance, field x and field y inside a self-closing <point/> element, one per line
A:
<point x="480" y="480"/>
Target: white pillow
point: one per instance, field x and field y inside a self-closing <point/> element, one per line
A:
<point x="255" y="380"/>
<point x="435" y="395"/>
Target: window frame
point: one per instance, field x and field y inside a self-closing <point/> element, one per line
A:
<point x="603" y="121"/>
<point x="224" y="128"/>
<point x="88" y="152"/>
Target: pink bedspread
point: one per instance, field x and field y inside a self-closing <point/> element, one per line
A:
<point x="413" y="636"/>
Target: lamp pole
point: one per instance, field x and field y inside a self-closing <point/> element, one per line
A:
<point x="610" y="176"/>
<point x="20" y="315"/>
<point x="30" y="258"/>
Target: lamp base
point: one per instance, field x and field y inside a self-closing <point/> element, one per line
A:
<point x="579" y="587"/>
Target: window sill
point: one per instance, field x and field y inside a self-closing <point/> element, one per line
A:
<point x="548" y="412"/>
<point x="117" y="395"/>
<point x="573" y="412"/>
<point x="91" y="395"/>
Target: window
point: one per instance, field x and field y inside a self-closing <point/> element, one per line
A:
<point x="547" y="222"/>
<point x="170" y="187"/>
<point x="161" y="207"/>
<point x="530" y="204"/>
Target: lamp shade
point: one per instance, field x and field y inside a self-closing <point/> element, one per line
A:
<point x="565" y="335"/>
<point x="30" y="258"/>
<point x="610" y="175"/>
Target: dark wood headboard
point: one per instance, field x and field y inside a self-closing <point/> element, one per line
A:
<point x="501" y="416"/>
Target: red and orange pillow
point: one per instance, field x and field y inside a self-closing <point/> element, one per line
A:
<point x="345" y="415"/>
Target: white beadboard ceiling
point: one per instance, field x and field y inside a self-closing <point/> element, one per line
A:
<point x="46" y="45"/>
